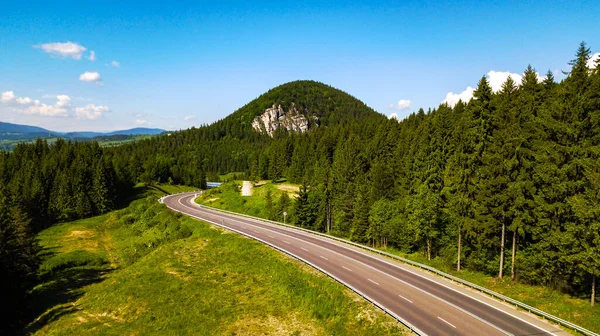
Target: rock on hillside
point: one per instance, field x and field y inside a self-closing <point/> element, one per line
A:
<point x="276" y="116"/>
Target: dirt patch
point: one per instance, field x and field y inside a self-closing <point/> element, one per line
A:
<point x="85" y="240"/>
<point x="212" y="200"/>
<point x="272" y="325"/>
<point x="292" y="190"/>
<point x="177" y="274"/>
<point x="261" y="183"/>
<point x="81" y="234"/>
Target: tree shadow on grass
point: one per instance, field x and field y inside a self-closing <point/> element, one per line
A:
<point x="137" y="193"/>
<point x="60" y="287"/>
<point x="140" y="192"/>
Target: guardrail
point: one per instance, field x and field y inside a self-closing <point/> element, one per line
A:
<point x="489" y="292"/>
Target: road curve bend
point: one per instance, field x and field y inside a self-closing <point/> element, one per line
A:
<point x="427" y="304"/>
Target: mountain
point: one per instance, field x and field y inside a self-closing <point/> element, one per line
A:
<point x="300" y="106"/>
<point x="15" y="128"/>
<point x="132" y="131"/>
<point x="10" y="131"/>
<point x="137" y="131"/>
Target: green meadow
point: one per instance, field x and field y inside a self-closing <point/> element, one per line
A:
<point x="145" y="270"/>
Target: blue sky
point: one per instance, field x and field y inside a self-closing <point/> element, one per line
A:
<point x="185" y="64"/>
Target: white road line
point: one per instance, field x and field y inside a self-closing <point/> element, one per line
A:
<point x="304" y="249"/>
<point x="287" y="242"/>
<point x="373" y="282"/>
<point x="405" y="298"/>
<point x="323" y="257"/>
<point x="450" y="324"/>
<point x="346" y="268"/>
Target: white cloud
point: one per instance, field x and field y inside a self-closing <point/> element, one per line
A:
<point x="90" y="77"/>
<point x="402" y="104"/>
<point x="115" y="64"/>
<point x="393" y="116"/>
<point x="63" y="100"/>
<point x="90" y="111"/>
<point x="61" y="108"/>
<point x="453" y="98"/>
<point x="190" y="117"/>
<point x="66" y="49"/>
<point x="92" y="56"/>
<point x="497" y="78"/>
<point x="591" y="63"/>
<point x="35" y="107"/>
<point x="7" y="97"/>
<point x="141" y="122"/>
<point x="24" y="101"/>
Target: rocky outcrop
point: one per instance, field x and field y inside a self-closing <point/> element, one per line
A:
<point x="276" y="117"/>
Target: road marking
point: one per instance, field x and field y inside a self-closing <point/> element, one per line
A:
<point x="323" y="257"/>
<point x="287" y="242"/>
<point x="346" y="268"/>
<point x="304" y="249"/>
<point x="450" y="324"/>
<point x="405" y="298"/>
<point x="373" y="282"/>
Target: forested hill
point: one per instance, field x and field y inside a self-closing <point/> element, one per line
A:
<point x="231" y="144"/>
<point x="330" y="105"/>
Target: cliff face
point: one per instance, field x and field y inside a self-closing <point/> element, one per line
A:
<point x="276" y="117"/>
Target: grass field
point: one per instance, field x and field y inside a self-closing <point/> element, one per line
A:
<point x="145" y="270"/>
<point x="574" y="309"/>
<point x="228" y="196"/>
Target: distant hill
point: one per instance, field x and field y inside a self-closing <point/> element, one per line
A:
<point x="21" y="129"/>
<point x="10" y="131"/>
<point x="138" y="131"/>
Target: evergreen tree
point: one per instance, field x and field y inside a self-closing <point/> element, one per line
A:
<point x="269" y="207"/>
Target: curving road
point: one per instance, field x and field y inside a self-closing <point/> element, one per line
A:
<point x="428" y="304"/>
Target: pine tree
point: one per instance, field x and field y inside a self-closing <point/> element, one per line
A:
<point x="360" y="218"/>
<point x="283" y="206"/>
<point x="269" y="208"/>
<point x="424" y="218"/>
<point x="302" y="211"/>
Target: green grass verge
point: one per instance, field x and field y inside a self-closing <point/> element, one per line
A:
<point x="228" y="196"/>
<point x="574" y="309"/>
<point x="147" y="270"/>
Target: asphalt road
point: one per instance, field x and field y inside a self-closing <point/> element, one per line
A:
<point x="431" y="305"/>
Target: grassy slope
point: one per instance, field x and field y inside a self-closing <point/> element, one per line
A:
<point x="147" y="270"/>
<point x="573" y="309"/>
<point x="229" y="198"/>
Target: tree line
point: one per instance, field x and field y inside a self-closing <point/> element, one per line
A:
<point x="507" y="183"/>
